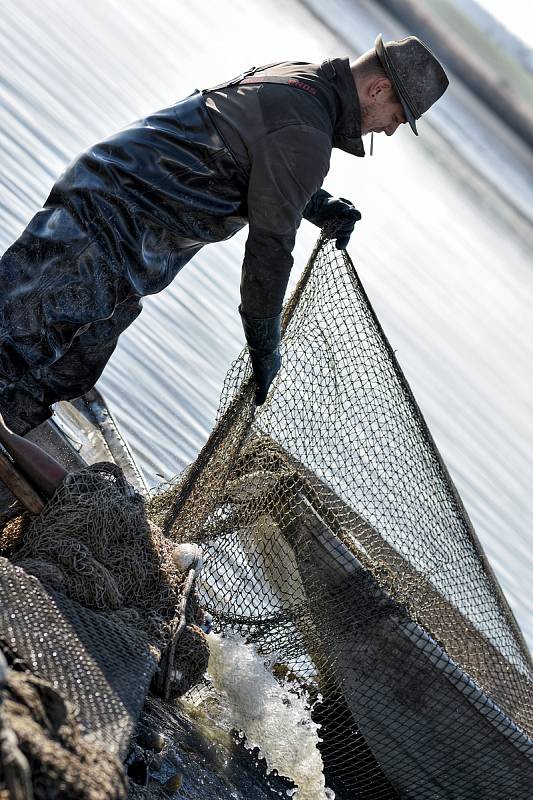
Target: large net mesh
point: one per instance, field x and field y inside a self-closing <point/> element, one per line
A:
<point x="335" y="539"/>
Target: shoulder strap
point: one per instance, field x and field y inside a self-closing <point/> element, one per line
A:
<point x="250" y="78"/>
<point x="239" y="78"/>
<point x="296" y="83"/>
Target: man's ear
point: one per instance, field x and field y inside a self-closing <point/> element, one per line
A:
<point x="378" y="89"/>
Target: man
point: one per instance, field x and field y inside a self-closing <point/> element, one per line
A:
<point x="131" y="211"/>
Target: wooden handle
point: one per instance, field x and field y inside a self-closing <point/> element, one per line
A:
<point x="19" y="486"/>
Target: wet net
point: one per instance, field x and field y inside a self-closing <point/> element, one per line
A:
<point x="91" y="602"/>
<point x="335" y="539"/>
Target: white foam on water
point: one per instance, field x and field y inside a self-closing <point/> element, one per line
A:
<point x="272" y="718"/>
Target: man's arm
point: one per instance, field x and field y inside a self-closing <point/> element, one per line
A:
<point x="288" y="167"/>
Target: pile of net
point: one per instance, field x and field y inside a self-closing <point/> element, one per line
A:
<point x="334" y="538"/>
<point x="91" y="602"/>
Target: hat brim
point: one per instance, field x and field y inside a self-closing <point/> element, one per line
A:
<point x="388" y="66"/>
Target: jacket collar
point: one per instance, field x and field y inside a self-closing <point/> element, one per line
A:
<point x="347" y="128"/>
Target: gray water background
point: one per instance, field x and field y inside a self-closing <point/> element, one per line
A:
<point x="444" y="248"/>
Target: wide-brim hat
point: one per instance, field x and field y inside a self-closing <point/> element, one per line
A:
<point x="416" y="74"/>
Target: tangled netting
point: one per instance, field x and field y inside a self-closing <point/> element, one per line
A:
<point x="62" y="763"/>
<point x="91" y="600"/>
<point x="95" y="543"/>
<point x="335" y="539"/>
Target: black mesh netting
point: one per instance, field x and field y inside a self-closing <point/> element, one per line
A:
<point x="334" y="537"/>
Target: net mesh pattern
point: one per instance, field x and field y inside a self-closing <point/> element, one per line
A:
<point x="89" y="598"/>
<point x="335" y="538"/>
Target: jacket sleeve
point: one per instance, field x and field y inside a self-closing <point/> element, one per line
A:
<point x="287" y="167"/>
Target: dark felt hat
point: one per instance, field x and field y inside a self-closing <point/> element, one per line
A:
<point x="415" y="73"/>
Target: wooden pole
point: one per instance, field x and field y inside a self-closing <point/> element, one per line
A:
<point x="19" y="486"/>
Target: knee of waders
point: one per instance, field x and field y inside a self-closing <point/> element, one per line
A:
<point x="21" y="411"/>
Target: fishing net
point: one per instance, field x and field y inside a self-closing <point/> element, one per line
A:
<point x="63" y="763"/>
<point x="91" y="602"/>
<point x="335" y="540"/>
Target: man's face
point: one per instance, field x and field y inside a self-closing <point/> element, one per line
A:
<point x="381" y="111"/>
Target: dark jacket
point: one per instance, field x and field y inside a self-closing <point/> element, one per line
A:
<point x="198" y="171"/>
<point x="281" y="136"/>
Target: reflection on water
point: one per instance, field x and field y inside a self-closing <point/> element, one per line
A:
<point x="445" y="259"/>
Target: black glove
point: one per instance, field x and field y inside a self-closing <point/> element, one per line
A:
<point x="263" y="337"/>
<point x="335" y="215"/>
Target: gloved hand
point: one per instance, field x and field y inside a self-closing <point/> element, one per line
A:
<point x="336" y="215"/>
<point x="263" y="337"/>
